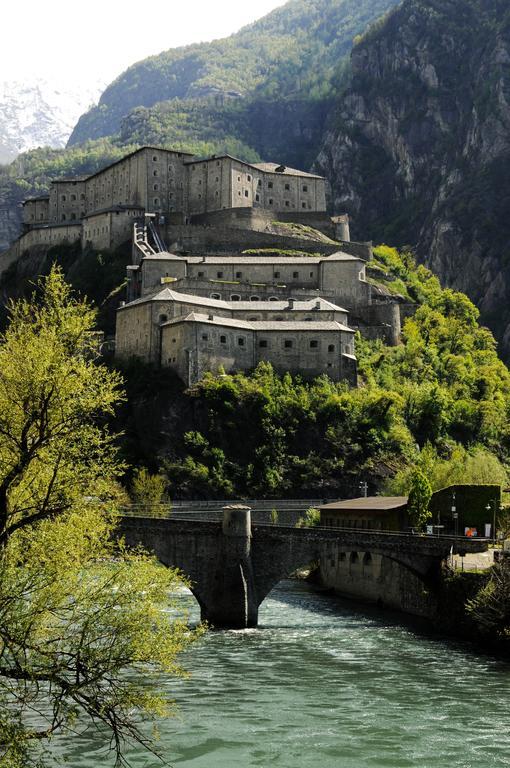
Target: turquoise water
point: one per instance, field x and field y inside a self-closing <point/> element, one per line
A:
<point x="320" y="684"/>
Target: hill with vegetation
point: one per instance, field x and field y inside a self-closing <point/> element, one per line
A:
<point x="283" y="69"/>
<point x="439" y="401"/>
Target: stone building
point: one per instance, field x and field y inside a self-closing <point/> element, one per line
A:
<point x="139" y="323"/>
<point x="220" y="183"/>
<point x="194" y="344"/>
<point x="381" y="513"/>
<point x="258" y="272"/>
<point x="174" y="186"/>
<point x="243" y="276"/>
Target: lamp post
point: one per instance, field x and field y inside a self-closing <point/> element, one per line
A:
<point x="455" y="515"/>
<point x="488" y="508"/>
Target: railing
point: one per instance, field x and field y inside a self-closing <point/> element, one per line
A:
<point x="172" y="512"/>
<point x="160" y="245"/>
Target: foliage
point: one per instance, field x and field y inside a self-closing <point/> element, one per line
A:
<point x="420" y="492"/>
<point x="147" y="490"/>
<point x="490" y="608"/>
<point x="439" y="402"/>
<point x="311" y="519"/>
<point x="82" y="625"/>
<point x="238" y="89"/>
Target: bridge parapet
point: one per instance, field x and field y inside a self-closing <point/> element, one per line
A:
<point x="233" y="565"/>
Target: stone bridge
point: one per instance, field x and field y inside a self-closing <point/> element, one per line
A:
<point x="233" y="565"/>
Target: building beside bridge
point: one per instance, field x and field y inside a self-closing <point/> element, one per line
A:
<point x="377" y="513"/>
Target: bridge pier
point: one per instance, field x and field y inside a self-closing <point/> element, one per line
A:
<point x="231" y="601"/>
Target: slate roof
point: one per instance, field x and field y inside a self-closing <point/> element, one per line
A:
<point x="260" y="325"/>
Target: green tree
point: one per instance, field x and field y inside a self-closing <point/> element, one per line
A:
<point x="81" y="625"/>
<point x="148" y="490"/>
<point x="419" y="498"/>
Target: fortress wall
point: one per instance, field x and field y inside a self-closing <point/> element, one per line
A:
<point x="232" y="240"/>
<point x="133" y="334"/>
<point x="10" y="226"/>
<point x="46" y="236"/>
<point x="36" y="211"/>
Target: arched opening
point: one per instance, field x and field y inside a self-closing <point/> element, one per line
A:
<point x="353" y="558"/>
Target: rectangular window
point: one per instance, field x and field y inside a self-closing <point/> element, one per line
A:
<point x="205" y="337"/>
<point x="305" y="188"/>
<point x="287" y="204"/>
<point x="240" y="341"/>
<point x="219" y="275"/>
<point x="270" y="201"/>
<point x="257" y="198"/>
<point x="246" y="193"/>
<point x="263" y="343"/>
<point x="249" y="177"/>
<point x="287" y="186"/>
<point x="277" y="274"/>
<point x="295" y="275"/>
<point x="314" y="344"/>
<point x="200" y="274"/>
<point x="238" y="275"/>
<point x="287" y="343"/>
<point x="270" y="185"/>
<point x="223" y="339"/>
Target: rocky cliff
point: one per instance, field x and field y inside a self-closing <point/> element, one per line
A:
<point x="418" y="150"/>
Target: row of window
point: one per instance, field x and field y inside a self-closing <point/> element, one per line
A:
<point x="72" y="197"/>
<point x="239" y="275"/>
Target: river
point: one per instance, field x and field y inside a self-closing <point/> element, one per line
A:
<point x="321" y="684"/>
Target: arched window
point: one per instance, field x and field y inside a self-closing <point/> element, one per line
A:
<point x="163" y="318"/>
<point x="215" y="296"/>
<point x="254" y="298"/>
<point x="367" y="558"/>
<point x="235" y="297"/>
<point x="353" y="557"/>
<point x="273" y="298"/>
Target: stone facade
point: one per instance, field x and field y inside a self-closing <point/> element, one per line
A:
<point x="109" y="228"/>
<point x="220" y="183"/>
<point x="141" y="323"/>
<point x="197" y="343"/>
<point x="174" y="187"/>
<point x="341" y="274"/>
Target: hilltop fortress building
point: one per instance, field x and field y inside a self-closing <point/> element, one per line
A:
<point x="254" y="270"/>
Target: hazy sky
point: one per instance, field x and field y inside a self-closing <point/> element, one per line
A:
<point x="98" y="39"/>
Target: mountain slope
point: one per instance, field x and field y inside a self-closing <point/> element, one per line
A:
<point x="39" y="114"/>
<point x="295" y="55"/>
<point x="418" y="150"/>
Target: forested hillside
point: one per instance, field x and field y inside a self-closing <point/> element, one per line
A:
<point x="275" y="69"/>
<point x="440" y="400"/>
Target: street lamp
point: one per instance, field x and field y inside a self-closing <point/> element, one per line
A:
<point x="488" y="508"/>
<point x="455" y="515"/>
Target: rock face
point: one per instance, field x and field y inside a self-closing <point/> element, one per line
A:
<point x="39" y="114"/>
<point x="418" y="150"/>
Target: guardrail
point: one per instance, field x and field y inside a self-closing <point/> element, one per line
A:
<point x="187" y="516"/>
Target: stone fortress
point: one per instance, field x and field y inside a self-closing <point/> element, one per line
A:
<point x="255" y="269"/>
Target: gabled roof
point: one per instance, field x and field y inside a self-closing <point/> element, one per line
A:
<point x="259" y="325"/>
<point x="121" y="159"/>
<point x="271" y="168"/>
<point x="167" y="294"/>
<point x="196" y="317"/>
<point x="264" y="167"/>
